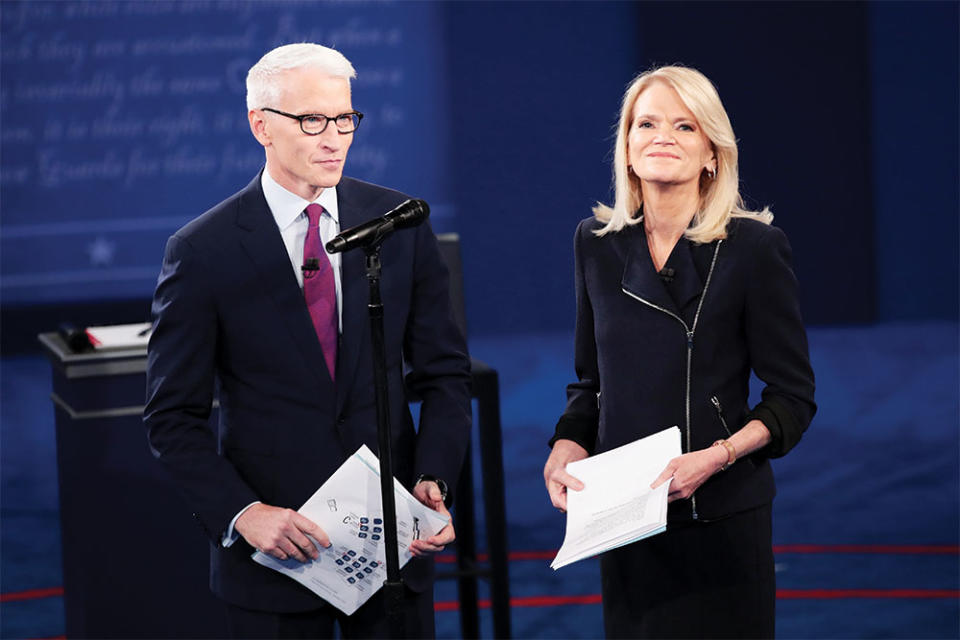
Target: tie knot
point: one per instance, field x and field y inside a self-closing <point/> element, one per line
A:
<point x="314" y="211"/>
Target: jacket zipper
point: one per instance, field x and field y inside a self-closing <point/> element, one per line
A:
<point x="716" y="404"/>
<point x="690" y="331"/>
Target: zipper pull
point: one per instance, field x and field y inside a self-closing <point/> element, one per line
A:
<point x="689" y="338"/>
<point x="716" y="405"/>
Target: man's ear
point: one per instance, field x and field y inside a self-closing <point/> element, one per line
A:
<point x="258" y="126"/>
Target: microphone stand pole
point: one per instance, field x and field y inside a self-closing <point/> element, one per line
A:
<point x="393" y="585"/>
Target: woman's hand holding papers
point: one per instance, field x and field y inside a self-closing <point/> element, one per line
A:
<point x="691" y="470"/>
<point x="428" y="493"/>
<point x="555" y="475"/>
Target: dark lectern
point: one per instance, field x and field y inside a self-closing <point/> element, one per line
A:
<point x="134" y="562"/>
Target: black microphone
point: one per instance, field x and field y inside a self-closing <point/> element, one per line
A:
<point x="405" y="215"/>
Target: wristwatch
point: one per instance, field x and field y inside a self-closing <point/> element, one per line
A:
<point x="423" y="477"/>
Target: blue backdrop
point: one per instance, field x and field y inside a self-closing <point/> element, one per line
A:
<point x="123" y="120"/>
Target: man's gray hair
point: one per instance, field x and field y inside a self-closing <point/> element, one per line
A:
<point x="263" y="88"/>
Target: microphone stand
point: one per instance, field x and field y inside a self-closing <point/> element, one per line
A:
<point x="393" y="585"/>
<point x="371" y="236"/>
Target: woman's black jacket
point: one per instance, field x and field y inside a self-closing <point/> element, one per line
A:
<point x="652" y="354"/>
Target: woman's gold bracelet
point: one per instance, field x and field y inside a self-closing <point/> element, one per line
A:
<point x="731" y="452"/>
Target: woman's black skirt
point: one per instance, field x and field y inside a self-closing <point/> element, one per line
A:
<point x="697" y="580"/>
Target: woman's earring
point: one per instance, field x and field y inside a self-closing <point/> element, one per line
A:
<point x="712" y="173"/>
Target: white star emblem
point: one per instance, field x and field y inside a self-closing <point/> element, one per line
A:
<point x="101" y="251"/>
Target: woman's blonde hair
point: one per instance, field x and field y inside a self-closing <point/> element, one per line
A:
<point x="719" y="197"/>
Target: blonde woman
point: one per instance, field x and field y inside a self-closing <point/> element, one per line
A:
<point x="681" y="292"/>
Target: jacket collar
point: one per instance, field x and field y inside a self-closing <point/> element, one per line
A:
<point x="640" y="278"/>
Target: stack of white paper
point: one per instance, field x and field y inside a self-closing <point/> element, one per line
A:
<point x="617" y="506"/>
<point x="120" y="336"/>
<point x="348" y="508"/>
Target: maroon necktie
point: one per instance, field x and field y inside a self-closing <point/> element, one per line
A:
<point x="320" y="289"/>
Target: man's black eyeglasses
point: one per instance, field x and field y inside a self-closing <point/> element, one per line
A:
<point x="314" y="124"/>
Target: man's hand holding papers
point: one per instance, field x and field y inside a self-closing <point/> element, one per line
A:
<point x="281" y="533"/>
<point x="429" y="494"/>
<point x="616" y="505"/>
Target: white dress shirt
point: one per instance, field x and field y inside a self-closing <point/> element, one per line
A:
<point x="288" y="212"/>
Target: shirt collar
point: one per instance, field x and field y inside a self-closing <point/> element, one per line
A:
<point x="287" y="207"/>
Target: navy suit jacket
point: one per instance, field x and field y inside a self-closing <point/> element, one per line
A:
<point x="230" y="322"/>
<point x="635" y="340"/>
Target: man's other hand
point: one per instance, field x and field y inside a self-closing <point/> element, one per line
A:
<point x="429" y="494"/>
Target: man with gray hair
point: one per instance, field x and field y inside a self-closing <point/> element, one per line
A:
<point x="248" y="302"/>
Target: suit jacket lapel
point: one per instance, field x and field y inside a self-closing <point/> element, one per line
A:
<point x="264" y="246"/>
<point x="354" y="324"/>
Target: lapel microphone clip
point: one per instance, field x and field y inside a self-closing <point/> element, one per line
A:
<point x="310" y="267"/>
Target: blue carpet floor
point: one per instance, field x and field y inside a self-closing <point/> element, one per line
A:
<point x="866" y="522"/>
